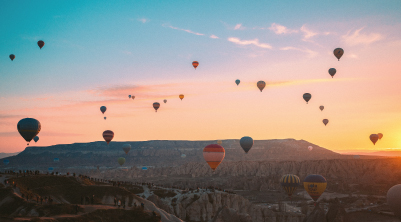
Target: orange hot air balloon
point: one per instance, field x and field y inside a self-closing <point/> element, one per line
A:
<point x="321" y="108"/>
<point x="374" y="138"/>
<point x="132" y="97"/>
<point x="108" y="135"/>
<point x="214" y="155"/>
<point x="181" y="96"/>
<point x="156" y="106"/>
<point x="380" y="136"/>
<point x="261" y="85"/>
<point x="195" y="64"/>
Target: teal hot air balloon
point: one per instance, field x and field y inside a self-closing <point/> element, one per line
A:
<point x="121" y="161"/>
<point x="36" y="139"/>
<point x="6" y="162"/>
<point x="103" y="109"/>
<point x="307" y="97"/>
<point x="28" y="128"/>
<point x="56" y="160"/>
<point x="50" y="169"/>
<point x="246" y="143"/>
<point x="129" y="96"/>
<point x="237" y="82"/>
<point x="144" y="168"/>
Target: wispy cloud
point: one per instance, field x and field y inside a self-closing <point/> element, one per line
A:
<point x="356" y="37"/>
<point x="280" y="29"/>
<point x="238" y="26"/>
<point x="185" y="30"/>
<point x="127" y="52"/>
<point x="310" y="52"/>
<point x="143" y="20"/>
<point x="254" y="42"/>
<point x="214" y="37"/>
<point x="308" y="34"/>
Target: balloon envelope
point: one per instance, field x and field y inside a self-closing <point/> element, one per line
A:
<point x="56" y="160"/>
<point x="181" y="96"/>
<point x="237" y="82"/>
<point x="321" y="108"/>
<point x="394" y="199"/>
<point x="374" y="138"/>
<point x="183" y="155"/>
<point x="12" y="57"/>
<point x="41" y="44"/>
<point x="325" y="121"/>
<point x="108" y="135"/>
<point x="261" y="85"/>
<point x="28" y="128"/>
<point x="219" y="142"/>
<point x="121" y="161"/>
<point x="50" y="169"/>
<point x="6" y="162"/>
<point x="307" y="97"/>
<point x="103" y="109"/>
<point x="165" y="100"/>
<point x="338" y="52"/>
<point x="214" y="155"/>
<point x="315" y="185"/>
<point x="290" y="183"/>
<point x="246" y="143"/>
<point x="156" y="106"/>
<point x="126" y="148"/>
<point x="129" y="96"/>
<point x="195" y="64"/>
<point x="36" y="139"/>
<point x="144" y="168"/>
<point x="132" y="97"/>
<point x="380" y="136"/>
<point x="332" y="72"/>
<point x="310" y="148"/>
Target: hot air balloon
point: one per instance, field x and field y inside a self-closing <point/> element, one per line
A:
<point x="6" y="162"/>
<point x="315" y="185"/>
<point x="108" y="135"/>
<point x="261" y="85"/>
<point x="56" y="160"/>
<point x="41" y="44"/>
<point x="237" y="82"/>
<point x="104" y="117"/>
<point x="165" y="101"/>
<point x="12" y="57"/>
<point x="103" y="109"/>
<point x="121" y="161"/>
<point x="338" y="52"/>
<point x="195" y="64"/>
<point x="36" y="139"/>
<point x="50" y="169"/>
<point x="219" y="142"/>
<point x="181" y="96"/>
<point x="213" y="155"/>
<point x="325" y="121"/>
<point x="321" y="108"/>
<point x="332" y="72"/>
<point x="374" y="138"/>
<point x="126" y="148"/>
<point x="156" y="106"/>
<point x="132" y="97"/>
<point x="129" y="96"/>
<point x="28" y="128"/>
<point x="380" y="136"/>
<point x="246" y="143"/>
<point x="394" y="200"/>
<point x="144" y="168"/>
<point x="307" y="97"/>
<point x="290" y="183"/>
<point x="310" y="148"/>
<point x="183" y="155"/>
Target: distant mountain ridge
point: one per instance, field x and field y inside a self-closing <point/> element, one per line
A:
<point x="164" y="153"/>
<point x="4" y="155"/>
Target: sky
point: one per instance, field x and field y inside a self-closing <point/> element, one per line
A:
<point x="97" y="53"/>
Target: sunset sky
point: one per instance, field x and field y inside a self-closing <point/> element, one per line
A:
<point x="97" y="53"/>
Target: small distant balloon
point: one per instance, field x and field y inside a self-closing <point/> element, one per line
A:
<point x="105" y="118"/>
<point x="183" y="155"/>
<point x="246" y="143"/>
<point x="332" y="72"/>
<point x="144" y="168"/>
<point x="56" y="160"/>
<point x="219" y="142"/>
<point x="121" y="161"/>
<point x="338" y="52"/>
<point x="237" y="82"/>
<point x="103" y="109"/>
<point x="126" y="148"/>
<point x="50" y="169"/>
<point x="307" y="97"/>
<point x="310" y="148"/>
<point x="108" y="135"/>
<point x="261" y="85"/>
<point x="195" y="64"/>
<point x="36" y="139"/>
<point x="181" y="96"/>
<point x="325" y="121"/>
<point x="132" y="97"/>
<point x="374" y="138"/>
<point x="129" y="96"/>
<point x="156" y="106"/>
<point x="380" y="136"/>
<point x="12" y="57"/>
<point x="41" y="44"/>
<point x="321" y="108"/>
<point x="6" y="162"/>
<point x="165" y="101"/>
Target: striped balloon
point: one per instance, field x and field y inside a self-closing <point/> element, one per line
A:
<point x="108" y="135"/>
<point x="315" y="185"/>
<point x="156" y="106"/>
<point x="214" y="155"/>
<point x="290" y="183"/>
<point x="195" y="64"/>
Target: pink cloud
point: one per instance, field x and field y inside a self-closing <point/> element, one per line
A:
<point x="254" y="42"/>
<point x="357" y="38"/>
<point x="279" y="29"/>
<point x="185" y="30"/>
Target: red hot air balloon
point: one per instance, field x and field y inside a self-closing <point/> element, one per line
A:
<point x="156" y="106"/>
<point x="261" y="85"/>
<point x="338" y="52"/>
<point x="374" y="138"/>
<point x="195" y="64"/>
<point x="41" y="44"/>
<point x="380" y="135"/>
<point x="108" y="135"/>
<point x="214" y="155"/>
